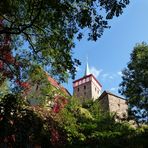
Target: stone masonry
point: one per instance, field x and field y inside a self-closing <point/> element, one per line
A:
<point x="115" y="104"/>
<point x="88" y="87"/>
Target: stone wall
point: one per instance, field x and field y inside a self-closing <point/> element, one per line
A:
<point x="95" y="89"/>
<point x="114" y="104"/>
<point x="104" y="103"/>
<point x="118" y="106"/>
<point x="87" y="88"/>
<point x="83" y="90"/>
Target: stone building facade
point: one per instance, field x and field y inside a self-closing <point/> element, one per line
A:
<point x="88" y="87"/>
<point x="115" y="104"/>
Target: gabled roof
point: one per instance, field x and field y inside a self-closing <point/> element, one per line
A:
<point x="109" y="93"/>
<point x="54" y="83"/>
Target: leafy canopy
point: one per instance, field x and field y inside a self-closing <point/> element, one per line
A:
<point x="135" y="81"/>
<point x="22" y="125"/>
<point x="43" y="32"/>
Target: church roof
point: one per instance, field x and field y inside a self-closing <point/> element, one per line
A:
<point x="86" y="76"/>
<point x="87" y="71"/>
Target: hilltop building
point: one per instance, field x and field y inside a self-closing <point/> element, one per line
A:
<point x="57" y="92"/>
<point x="88" y="87"/>
<point x="113" y="103"/>
<point x="57" y="85"/>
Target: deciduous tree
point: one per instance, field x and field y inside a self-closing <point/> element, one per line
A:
<point x="43" y="32"/>
<point x="135" y="81"/>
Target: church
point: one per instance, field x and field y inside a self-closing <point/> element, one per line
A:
<point x="88" y="87"/>
<point x="84" y="88"/>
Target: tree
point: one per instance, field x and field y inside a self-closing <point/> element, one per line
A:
<point x="29" y="126"/>
<point x="86" y="126"/>
<point x="17" y="122"/>
<point x="4" y="89"/>
<point x="42" y="31"/>
<point x="135" y="82"/>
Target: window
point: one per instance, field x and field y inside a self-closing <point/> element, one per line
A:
<point x="84" y="87"/>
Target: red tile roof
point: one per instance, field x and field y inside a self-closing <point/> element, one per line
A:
<point x="57" y="85"/>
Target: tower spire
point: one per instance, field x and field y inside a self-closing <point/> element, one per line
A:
<point x="87" y="71"/>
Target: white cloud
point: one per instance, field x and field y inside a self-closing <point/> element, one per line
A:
<point x="96" y="72"/>
<point x="105" y="75"/>
<point x="114" y="89"/>
<point x="111" y="77"/>
<point x="119" y="73"/>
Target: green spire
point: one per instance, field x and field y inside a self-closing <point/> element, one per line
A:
<point x="87" y="71"/>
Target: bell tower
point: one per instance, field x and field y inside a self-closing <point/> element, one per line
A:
<point x="87" y="87"/>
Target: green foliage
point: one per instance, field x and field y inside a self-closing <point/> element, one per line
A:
<point x="68" y="123"/>
<point x="20" y="126"/>
<point x="98" y="131"/>
<point x="93" y="107"/>
<point x="135" y="82"/>
<point x="4" y="89"/>
<point x="25" y="126"/>
<point x="43" y="31"/>
<point x="41" y="91"/>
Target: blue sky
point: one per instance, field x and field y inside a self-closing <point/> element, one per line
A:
<point x="110" y="54"/>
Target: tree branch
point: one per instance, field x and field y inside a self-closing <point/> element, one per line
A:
<point x="21" y="28"/>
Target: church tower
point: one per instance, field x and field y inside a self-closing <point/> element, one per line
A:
<point x="87" y="87"/>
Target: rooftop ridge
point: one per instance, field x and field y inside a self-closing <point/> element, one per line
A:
<point x="86" y="77"/>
